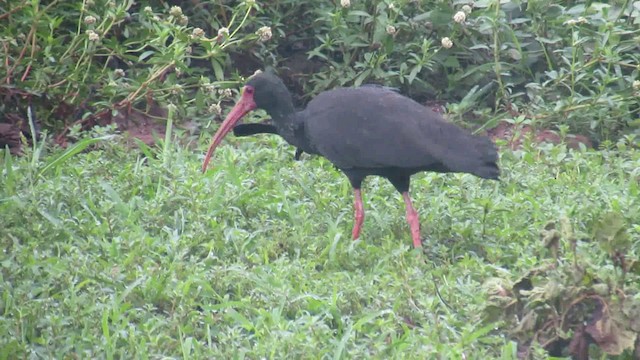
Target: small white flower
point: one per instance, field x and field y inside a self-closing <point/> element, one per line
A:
<point x="215" y="109"/>
<point x="93" y="36"/>
<point x="197" y="33"/>
<point x="118" y="73"/>
<point x="264" y="33"/>
<point x="392" y="6"/>
<point x="89" y="20"/>
<point x="223" y="32"/>
<point x="570" y="22"/>
<point x="467" y="9"/>
<point x="582" y="20"/>
<point x="183" y="20"/>
<point x="148" y="9"/>
<point x="391" y="30"/>
<point x="345" y="3"/>
<point x="446" y="43"/>
<point x="208" y="88"/>
<point x="636" y="84"/>
<point x="175" y="11"/>
<point x="460" y="17"/>
<point x="177" y="89"/>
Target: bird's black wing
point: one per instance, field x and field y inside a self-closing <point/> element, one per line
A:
<point x="371" y="127"/>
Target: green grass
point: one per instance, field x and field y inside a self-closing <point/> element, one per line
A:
<point x="111" y="254"/>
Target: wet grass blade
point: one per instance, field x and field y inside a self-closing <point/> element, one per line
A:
<point x="78" y="147"/>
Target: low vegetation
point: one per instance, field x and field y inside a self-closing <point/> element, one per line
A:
<point x="116" y="246"/>
<point x="114" y="253"/>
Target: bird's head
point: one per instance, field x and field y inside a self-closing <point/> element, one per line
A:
<point x="264" y="91"/>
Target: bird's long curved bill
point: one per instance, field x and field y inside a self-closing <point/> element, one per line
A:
<point x="245" y="105"/>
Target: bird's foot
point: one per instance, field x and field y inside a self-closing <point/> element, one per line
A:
<point x="417" y="243"/>
<point x="355" y="234"/>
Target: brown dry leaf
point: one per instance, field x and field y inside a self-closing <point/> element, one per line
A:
<point x="551" y="240"/>
<point x="527" y="323"/>
<point x="579" y="345"/>
<point x="607" y="332"/>
<point x="10" y="137"/>
<point x="631" y="308"/>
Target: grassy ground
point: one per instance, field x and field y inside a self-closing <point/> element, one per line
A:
<point x="108" y="254"/>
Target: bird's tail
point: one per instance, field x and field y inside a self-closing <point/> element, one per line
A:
<point x="485" y="164"/>
<point x="473" y="154"/>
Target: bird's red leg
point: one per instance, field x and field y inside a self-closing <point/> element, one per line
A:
<point x="359" y="217"/>
<point x="413" y="220"/>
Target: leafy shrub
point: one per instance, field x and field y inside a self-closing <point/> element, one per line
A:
<point x="568" y="64"/>
<point x="583" y="293"/>
<point x="573" y="65"/>
<point x="95" y="59"/>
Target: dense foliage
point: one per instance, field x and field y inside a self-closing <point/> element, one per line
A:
<point x="570" y="64"/>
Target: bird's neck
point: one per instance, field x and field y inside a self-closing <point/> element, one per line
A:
<point x="284" y="119"/>
<point x="287" y="120"/>
<point x="283" y="113"/>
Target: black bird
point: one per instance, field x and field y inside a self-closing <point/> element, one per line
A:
<point x="370" y="130"/>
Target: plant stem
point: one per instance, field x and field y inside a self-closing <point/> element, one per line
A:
<point x="496" y="54"/>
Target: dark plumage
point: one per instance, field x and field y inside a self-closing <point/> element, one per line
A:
<point x="254" y="128"/>
<point x="371" y="130"/>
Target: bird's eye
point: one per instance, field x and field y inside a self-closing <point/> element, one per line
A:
<point x="248" y="90"/>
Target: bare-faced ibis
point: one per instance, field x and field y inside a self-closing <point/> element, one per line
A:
<point x="370" y="130"/>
